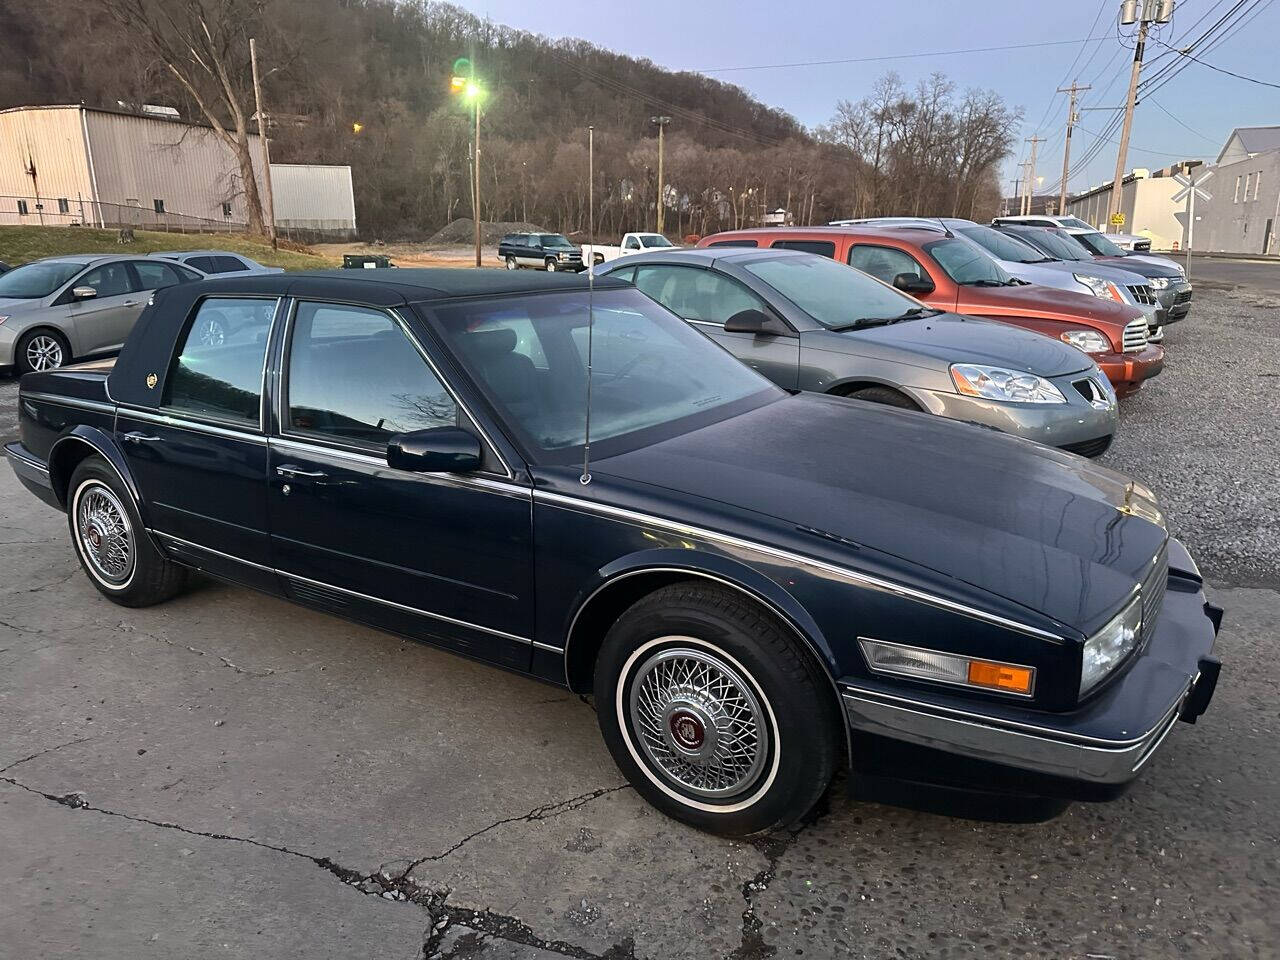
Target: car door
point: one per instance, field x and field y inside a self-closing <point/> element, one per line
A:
<point x="530" y="254"/>
<point x="706" y="299"/>
<point x="200" y="457"/>
<point x="443" y="557"/>
<point x="102" y="322"/>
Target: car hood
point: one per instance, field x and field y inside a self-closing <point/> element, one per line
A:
<point x="952" y="338"/>
<point x="1042" y="529"/>
<point x="1144" y="265"/>
<point x="12" y="305"/>
<point x="1032" y="300"/>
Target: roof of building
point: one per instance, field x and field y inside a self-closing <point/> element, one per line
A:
<point x="1253" y="140"/>
<point x="157" y="117"/>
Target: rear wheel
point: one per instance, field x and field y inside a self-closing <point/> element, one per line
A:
<point x="110" y="541"/>
<point x="714" y="713"/>
<point x="552" y="265"/>
<point x="42" y="350"/>
<point x="886" y="395"/>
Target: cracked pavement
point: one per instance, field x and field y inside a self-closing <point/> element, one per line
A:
<point x="229" y="775"/>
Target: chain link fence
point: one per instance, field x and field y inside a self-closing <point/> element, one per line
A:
<point x="81" y="212"/>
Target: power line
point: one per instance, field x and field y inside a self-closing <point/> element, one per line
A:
<point x="901" y="56"/>
<point x="1160" y="106"/>
<point x="1159" y="153"/>
<point x="1205" y="63"/>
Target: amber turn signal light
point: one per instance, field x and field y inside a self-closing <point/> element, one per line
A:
<point x="999" y="676"/>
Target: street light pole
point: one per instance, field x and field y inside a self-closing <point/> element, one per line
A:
<point x="662" y="123"/>
<point x="475" y="187"/>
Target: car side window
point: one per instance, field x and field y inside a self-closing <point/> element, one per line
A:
<point x="734" y="243"/>
<point x="110" y="280"/>
<point x="631" y="243"/>
<point x="694" y="294"/>
<point x="218" y="370"/>
<point x="202" y="263"/>
<point x="884" y="263"/>
<point x="153" y="275"/>
<point x="226" y="264"/>
<point x="823" y="248"/>
<point x="355" y="377"/>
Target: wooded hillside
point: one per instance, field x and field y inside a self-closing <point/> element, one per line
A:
<point x="330" y="65"/>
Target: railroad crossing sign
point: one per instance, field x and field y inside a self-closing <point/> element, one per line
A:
<point x="1117" y="219"/>
<point x="1190" y="185"/>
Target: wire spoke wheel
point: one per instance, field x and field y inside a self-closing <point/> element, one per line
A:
<point x="211" y="333"/>
<point x="106" y="539"/>
<point x="699" y="722"/>
<point x="44" y="352"/>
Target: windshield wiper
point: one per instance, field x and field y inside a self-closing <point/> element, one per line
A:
<point x="910" y="314"/>
<point x="986" y="283"/>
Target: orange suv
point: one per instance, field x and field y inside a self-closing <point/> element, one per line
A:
<point x="954" y="274"/>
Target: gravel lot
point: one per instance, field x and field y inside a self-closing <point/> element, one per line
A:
<point x="228" y="775"/>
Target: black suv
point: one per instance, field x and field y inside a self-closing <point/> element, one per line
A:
<point x="542" y="251"/>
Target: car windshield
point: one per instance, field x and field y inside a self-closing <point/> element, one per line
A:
<point x="967" y="264"/>
<point x="833" y="294"/>
<point x="1001" y="246"/>
<point x="1075" y="223"/>
<point x="554" y="240"/>
<point x="1054" y="242"/>
<point x="1096" y="243"/>
<point x="36" y="280"/>
<point x="652" y="375"/>
<point x="655" y="240"/>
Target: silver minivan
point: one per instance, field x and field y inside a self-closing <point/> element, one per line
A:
<point x="61" y="309"/>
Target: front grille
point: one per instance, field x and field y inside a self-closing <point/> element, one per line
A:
<point x="1142" y="293"/>
<point x="1135" y="335"/>
<point x="1183" y="296"/>
<point x="1089" y="448"/>
<point x="1153" y="590"/>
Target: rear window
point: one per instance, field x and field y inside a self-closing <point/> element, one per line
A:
<point x="218" y="372"/>
<point x="227" y="264"/>
<point x="733" y="243"/>
<point x="823" y="248"/>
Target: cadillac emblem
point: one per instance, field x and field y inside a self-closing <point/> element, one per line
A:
<point x="152" y="380"/>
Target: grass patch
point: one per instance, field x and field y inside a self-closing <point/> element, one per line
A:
<point x="22" y="244"/>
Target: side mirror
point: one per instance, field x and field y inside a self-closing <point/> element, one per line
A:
<point x="913" y="283"/>
<point x="437" y="450"/>
<point x="84" y="293"/>
<point x="747" y="321"/>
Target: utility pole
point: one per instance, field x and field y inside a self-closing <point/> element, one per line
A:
<point x="1153" y="11"/>
<point x="661" y="122"/>
<point x="266" y="149"/>
<point x="1031" y="171"/>
<point x="1072" y="117"/>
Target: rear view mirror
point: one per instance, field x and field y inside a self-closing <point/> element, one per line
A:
<point x="84" y="293"/>
<point x="913" y="283"/>
<point x="747" y="321"/>
<point x="437" y="450"/>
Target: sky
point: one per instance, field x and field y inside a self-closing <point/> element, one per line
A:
<point x="1190" y="118"/>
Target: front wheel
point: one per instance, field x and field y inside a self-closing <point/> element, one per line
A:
<point x="714" y="713"/>
<point x="111" y="544"/>
<point x="552" y="266"/>
<point x="42" y="350"/>
<point x="512" y="264"/>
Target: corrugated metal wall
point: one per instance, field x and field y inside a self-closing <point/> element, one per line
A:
<point x="142" y="159"/>
<point x="314" y="197"/>
<point x="51" y="140"/>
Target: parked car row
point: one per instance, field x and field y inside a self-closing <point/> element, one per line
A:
<point x="559" y="476"/>
<point x="554" y="251"/>
<point x="60" y="309"/>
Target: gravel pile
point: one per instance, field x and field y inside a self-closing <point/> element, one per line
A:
<point x="462" y="230"/>
<point x="1205" y="434"/>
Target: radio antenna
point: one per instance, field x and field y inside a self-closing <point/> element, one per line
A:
<point x="591" y="284"/>
<point x="946" y="231"/>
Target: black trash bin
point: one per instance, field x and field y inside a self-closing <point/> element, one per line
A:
<point x="365" y="261"/>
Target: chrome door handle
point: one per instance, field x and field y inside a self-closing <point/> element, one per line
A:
<point x="130" y="303"/>
<point x="137" y="436"/>
<point x="295" y="473"/>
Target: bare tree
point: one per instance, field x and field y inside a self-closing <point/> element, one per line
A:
<point x="204" y="44"/>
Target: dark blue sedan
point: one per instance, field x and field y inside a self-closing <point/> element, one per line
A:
<point x="756" y="587"/>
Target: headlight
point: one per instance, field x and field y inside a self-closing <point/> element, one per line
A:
<point x="1110" y="645"/>
<point x="1009" y="386"/>
<point x="1100" y="287"/>
<point x="1090" y="341"/>
<point x="1159" y="283"/>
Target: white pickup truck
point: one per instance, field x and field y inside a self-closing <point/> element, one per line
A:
<point x="594" y="254"/>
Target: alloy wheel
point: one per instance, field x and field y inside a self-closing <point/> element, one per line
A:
<point x="44" y="352"/>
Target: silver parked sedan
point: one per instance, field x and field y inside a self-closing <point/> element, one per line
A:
<point x="65" y="308"/>
<point x="221" y="263"/>
<point x="809" y="323"/>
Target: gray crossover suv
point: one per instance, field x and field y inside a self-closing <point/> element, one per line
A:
<point x="809" y="323"/>
<point x="63" y="308"/>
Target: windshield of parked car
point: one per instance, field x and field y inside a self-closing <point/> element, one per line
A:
<point x="833" y="294"/>
<point x="36" y="280"/>
<point x="1075" y="223"/>
<point x="1095" y="242"/>
<point x="653" y="240"/>
<point x="1002" y="246"/>
<point x="967" y="264"/>
<point x="554" y="240"/>
<point x="1054" y="242"/>
<point x="653" y="376"/>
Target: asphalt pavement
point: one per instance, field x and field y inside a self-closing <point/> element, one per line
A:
<point x="228" y="775"/>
